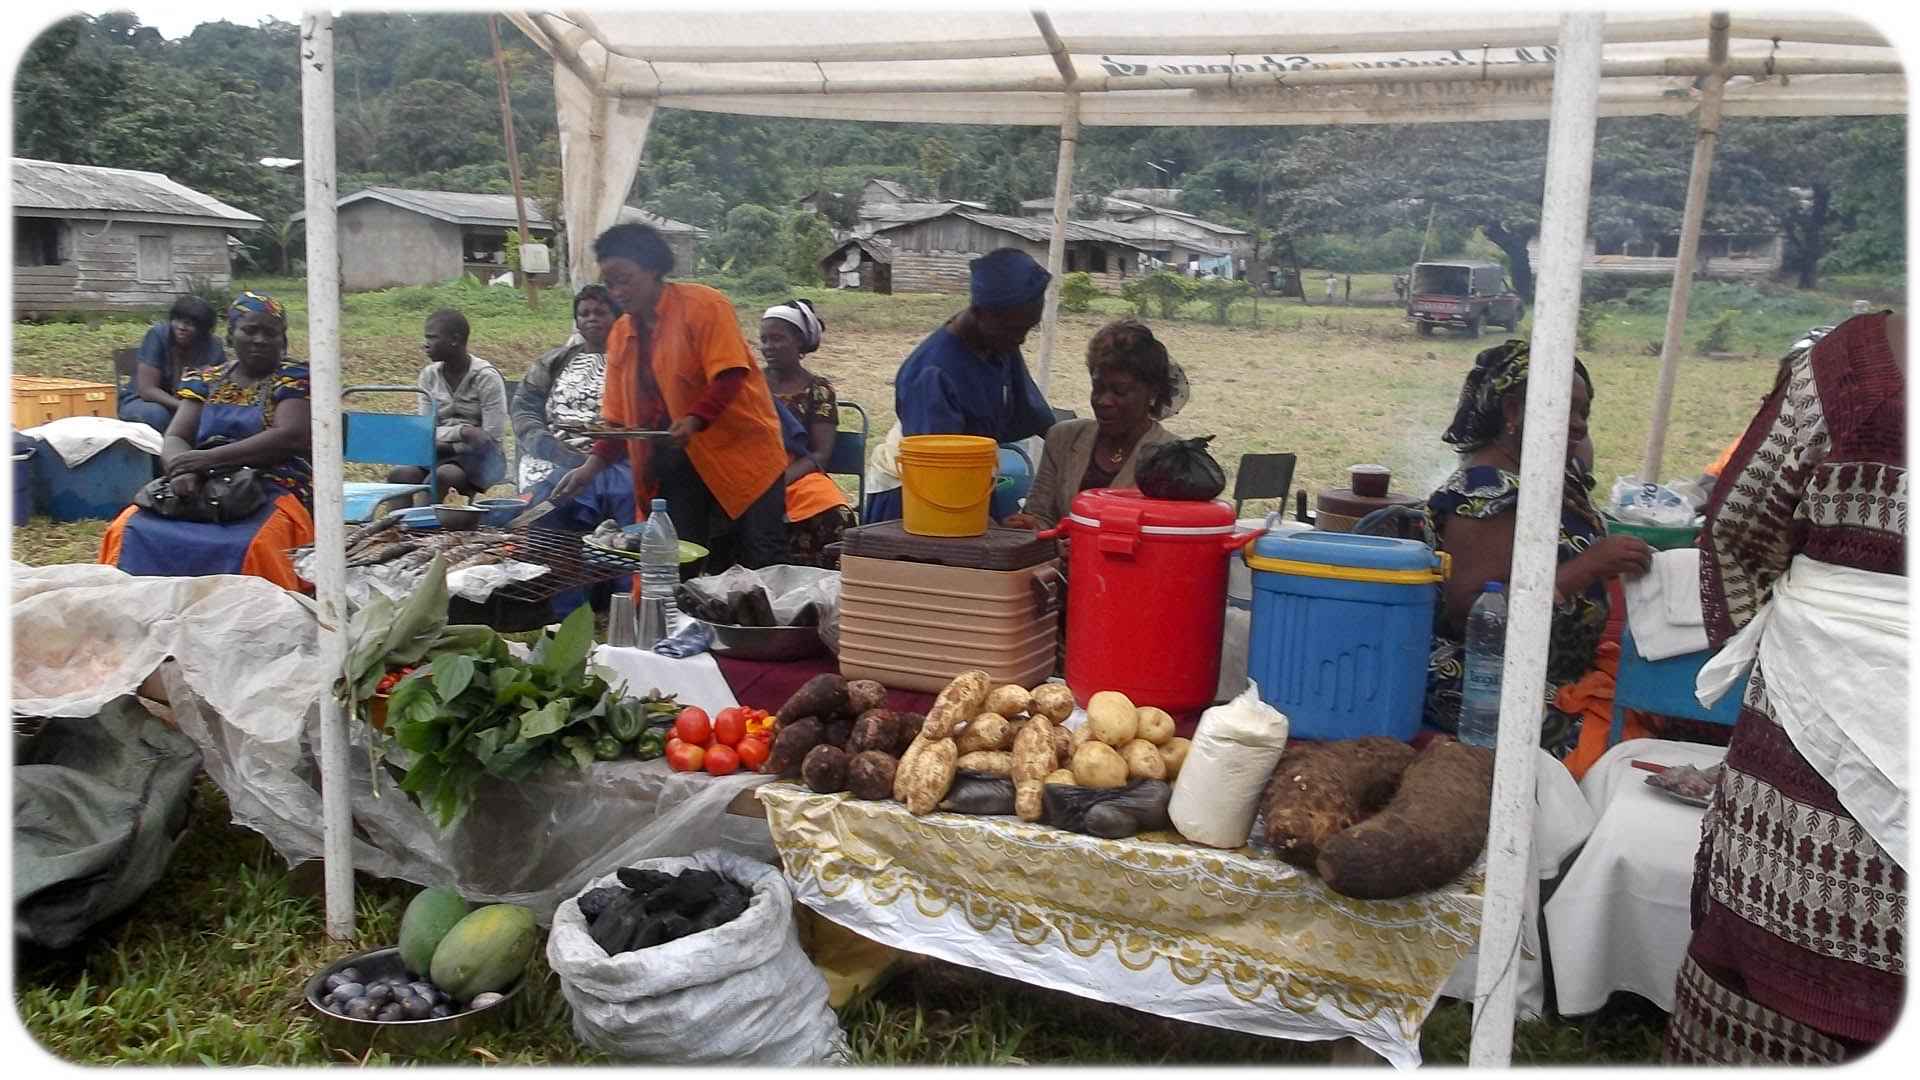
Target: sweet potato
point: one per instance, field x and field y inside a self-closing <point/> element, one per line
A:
<point x="870" y="775"/>
<point x="1052" y="700"/>
<point x="1062" y="744"/>
<point x="825" y="769"/>
<point x="986" y="731"/>
<point x="1009" y="700"/>
<point x="959" y="702"/>
<point x="1029" y="802"/>
<point x="790" y="746"/>
<point x="1318" y="789"/>
<point x="823" y="696"/>
<point x="1033" y="759"/>
<point x="1428" y="834"/>
<point x="998" y="762"/>
<point x="864" y="696"/>
<point x="925" y="774"/>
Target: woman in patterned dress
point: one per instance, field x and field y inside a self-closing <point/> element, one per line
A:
<point x="817" y="510"/>
<point x="1472" y="515"/>
<point x="1799" y="896"/>
<point x="563" y="390"/>
<point x="249" y="410"/>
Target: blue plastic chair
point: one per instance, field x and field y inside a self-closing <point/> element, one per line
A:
<point x="849" y="455"/>
<point x="1017" y="466"/>
<point x="387" y="439"/>
<point x="1665" y="687"/>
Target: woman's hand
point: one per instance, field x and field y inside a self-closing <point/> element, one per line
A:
<point x="1610" y="557"/>
<point x="683" y="429"/>
<point x="576" y="480"/>
<point x="186" y="485"/>
<point x="476" y="436"/>
<point x="1021" y="521"/>
<point x="189" y="463"/>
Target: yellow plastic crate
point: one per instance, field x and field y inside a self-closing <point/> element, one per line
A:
<point x="39" y="398"/>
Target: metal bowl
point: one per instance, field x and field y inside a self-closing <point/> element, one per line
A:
<point x="766" y="642"/>
<point x="459" y="518"/>
<point x="501" y="511"/>
<point x="399" y="1036"/>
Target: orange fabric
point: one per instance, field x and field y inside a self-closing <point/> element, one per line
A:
<point x="812" y="494"/>
<point x="1592" y="698"/>
<point x="269" y="556"/>
<point x="1726" y="455"/>
<point x="695" y="337"/>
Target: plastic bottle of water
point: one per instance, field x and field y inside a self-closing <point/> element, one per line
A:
<point x="660" y="567"/>
<point x="1486" y="650"/>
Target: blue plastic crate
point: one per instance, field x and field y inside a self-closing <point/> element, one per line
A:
<point x="99" y="487"/>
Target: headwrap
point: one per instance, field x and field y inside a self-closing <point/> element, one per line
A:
<point x="1177" y="391"/>
<point x="1498" y="371"/>
<point x="253" y="301"/>
<point x="1007" y="279"/>
<point x="799" y="314"/>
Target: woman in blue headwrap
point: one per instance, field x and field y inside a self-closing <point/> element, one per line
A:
<point x="251" y="410"/>
<point x="968" y="377"/>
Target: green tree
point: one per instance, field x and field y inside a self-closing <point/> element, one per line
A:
<point x="1077" y="291"/>
<point x="1220" y="294"/>
<point x="808" y="238"/>
<point x="1166" y="289"/>
<point x="937" y="159"/>
<point x="749" y="240"/>
<point x="435" y="124"/>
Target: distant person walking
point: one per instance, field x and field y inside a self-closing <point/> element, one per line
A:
<point x="1349" y="288"/>
<point x="1331" y="281"/>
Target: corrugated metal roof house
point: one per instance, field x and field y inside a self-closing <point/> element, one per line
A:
<point x="410" y="236"/>
<point x="931" y="254"/>
<point x="97" y="238"/>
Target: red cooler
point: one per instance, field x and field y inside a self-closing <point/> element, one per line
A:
<point x="1146" y="596"/>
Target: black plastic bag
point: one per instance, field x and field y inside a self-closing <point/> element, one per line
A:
<point x="1113" y="813"/>
<point x="1181" y="469"/>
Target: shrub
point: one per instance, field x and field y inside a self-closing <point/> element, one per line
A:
<point x="1587" y="331"/>
<point x="1220" y="293"/>
<point x="1168" y="290"/>
<point x="808" y="239"/>
<point x="1077" y="291"/>
<point x="1719" y="335"/>
<point x="764" y="281"/>
<point x="1135" y="292"/>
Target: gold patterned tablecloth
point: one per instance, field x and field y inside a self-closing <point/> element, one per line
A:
<point x="1228" y="938"/>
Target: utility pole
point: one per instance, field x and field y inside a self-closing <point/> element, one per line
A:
<point x="513" y="154"/>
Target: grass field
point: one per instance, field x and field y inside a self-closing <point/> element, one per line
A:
<point x="206" y="970"/>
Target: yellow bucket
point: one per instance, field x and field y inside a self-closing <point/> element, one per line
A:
<point x="946" y="483"/>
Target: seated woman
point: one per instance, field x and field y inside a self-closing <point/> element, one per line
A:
<point x="1471" y="516"/>
<point x="563" y="388"/>
<point x="184" y="341"/>
<point x="817" y="510"/>
<point x="250" y="410"/>
<point x="470" y="399"/>
<point x="968" y="377"/>
<point x="1135" y="386"/>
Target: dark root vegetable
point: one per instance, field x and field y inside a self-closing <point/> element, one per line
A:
<point x="825" y="769"/>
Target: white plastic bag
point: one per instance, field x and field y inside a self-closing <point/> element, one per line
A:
<point x="1640" y="503"/>
<point x="743" y="993"/>
<point x="1235" y="747"/>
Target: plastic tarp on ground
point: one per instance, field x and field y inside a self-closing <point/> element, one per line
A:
<point x="245" y="685"/>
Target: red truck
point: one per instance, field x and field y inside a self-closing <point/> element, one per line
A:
<point x="1466" y="295"/>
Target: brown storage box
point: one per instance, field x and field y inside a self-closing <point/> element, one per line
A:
<point x="39" y="398"/>
<point x="914" y="626"/>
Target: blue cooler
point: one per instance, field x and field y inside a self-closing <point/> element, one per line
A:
<point x="22" y="478"/>
<point x="99" y="487"/>
<point x="1342" y="628"/>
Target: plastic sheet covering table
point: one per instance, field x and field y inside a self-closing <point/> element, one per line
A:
<point x="1224" y="938"/>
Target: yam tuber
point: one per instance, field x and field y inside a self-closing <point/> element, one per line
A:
<point x="870" y="775"/>
<point x="1428" y="834"/>
<point x="823" y="696"/>
<point x="1318" y="789"/>
<point x="824" y="769"/>
<point x="864" y="696"/>
<point x="790" y="746"/>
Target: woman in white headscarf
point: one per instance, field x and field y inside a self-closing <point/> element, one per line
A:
<point x="817" y="510"/>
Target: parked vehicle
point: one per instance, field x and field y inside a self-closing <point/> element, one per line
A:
<point x="1466" y="295"/>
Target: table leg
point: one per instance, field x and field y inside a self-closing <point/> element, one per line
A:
<point x="1349" y="1051"/>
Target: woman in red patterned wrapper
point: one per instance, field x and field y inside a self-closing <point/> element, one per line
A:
<point x="1799" y="896"/>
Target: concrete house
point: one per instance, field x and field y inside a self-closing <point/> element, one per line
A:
<point x="114" y="239"/>
<point x="1723" y="256"/>
<point x="1175" y="237"/>
<point x="930" y="254"/>
<point x="409" y="236"/>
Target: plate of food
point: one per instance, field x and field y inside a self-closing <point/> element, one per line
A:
<point x="625" y="542"/>
<point x="1686" y="784"/>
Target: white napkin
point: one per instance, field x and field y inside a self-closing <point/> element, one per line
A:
<point x="77" y="438"/>
<point x="1663" y="606"/>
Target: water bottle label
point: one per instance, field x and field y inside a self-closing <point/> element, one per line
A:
<point x="1483" y="678"/>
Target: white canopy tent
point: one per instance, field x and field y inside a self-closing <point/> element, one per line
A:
<point x="1105" y="67"/>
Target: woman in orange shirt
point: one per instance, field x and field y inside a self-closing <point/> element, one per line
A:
<point x="676" y="360"/>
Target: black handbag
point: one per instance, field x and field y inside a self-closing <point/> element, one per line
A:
<point x="226" y="494"/>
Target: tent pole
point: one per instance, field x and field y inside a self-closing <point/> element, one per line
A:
<point x="1684" y="259"/>
<point x="1062" y="194"/>
<point x="1543" y="453"/>
<point x="329" y="512"/>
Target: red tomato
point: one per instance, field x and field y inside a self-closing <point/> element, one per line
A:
<point x="692" y="725"/>
<point x="752" y="752"/>
<point x="685" y="757"/>
<point x="730" y="726"/>
<point x="721" y="760"/>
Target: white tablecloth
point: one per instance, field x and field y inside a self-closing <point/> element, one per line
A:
<point x="1619" y="919"/>
<point x="693" y="680"/>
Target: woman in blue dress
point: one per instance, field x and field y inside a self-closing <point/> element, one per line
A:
<point x="251" y="410"/>
<point x="968" y="377"/>
<point x="185" y="340"/>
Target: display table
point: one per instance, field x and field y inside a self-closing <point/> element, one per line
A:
<point x="1619" y="919"/>
<point x="1225" y="938"/>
